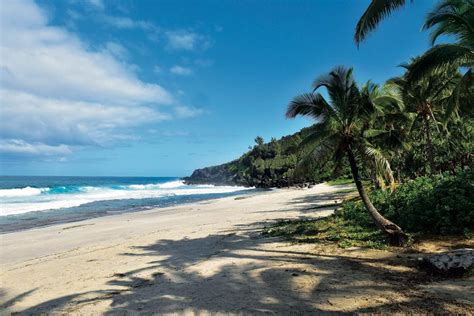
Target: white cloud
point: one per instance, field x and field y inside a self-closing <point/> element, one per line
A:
<point x="49" y="60"/>
<point x="180" y="70"/>
<point x="173" y="39"/>
<point x="58" y="93"/>
<point x="186" y="40"/>
<point x="96" y="3"/>
<point x="127" y="23"/>
<point x="187" y="112"/>
<point x="20" y="147"/>
<point x="116" y="50"/>
<point x="68" y="122"/>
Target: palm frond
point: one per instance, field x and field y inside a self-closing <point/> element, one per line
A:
<point x="370" y="133"/>
<point x="342" y="90"/>
<point x="319" y="133"/>
<point x="382" y="165"/>
<point x="453" y="104"/>
<point x="439" y="56"/>
<point x="339" y="76"/>
<point x="452" y="17"/>
<point x="375" y="12"/>
<point x="309" y="104"/>
<point x="450" y="23"/>
<point x="339" y="152"/>
<point x="317" y="157"/>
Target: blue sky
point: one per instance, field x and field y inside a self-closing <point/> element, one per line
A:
<point x="159" y="88"/>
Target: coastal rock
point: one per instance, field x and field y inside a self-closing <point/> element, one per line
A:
<point x="454" y="263"/>
<point x="217" y="175"/>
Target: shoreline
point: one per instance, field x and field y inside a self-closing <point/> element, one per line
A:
<point x="205" y="258"/>
<point x="104" y="220"/>
<point x="44" y="218"/>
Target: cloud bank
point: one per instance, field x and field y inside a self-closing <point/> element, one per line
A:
<point x="58" y="93"/>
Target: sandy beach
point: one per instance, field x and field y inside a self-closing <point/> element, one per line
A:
<point x="210" y="257"/>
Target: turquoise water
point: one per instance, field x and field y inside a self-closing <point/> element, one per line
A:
<point x="29" y="202"/>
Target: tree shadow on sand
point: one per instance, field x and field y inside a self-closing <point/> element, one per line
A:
<point x="242" y="272"/>
<point x="240" y="275"/>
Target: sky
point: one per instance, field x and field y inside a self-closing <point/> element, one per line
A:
<point x="160" y="88"/>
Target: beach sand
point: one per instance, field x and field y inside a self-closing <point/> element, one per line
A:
<point x="210" y="257"/>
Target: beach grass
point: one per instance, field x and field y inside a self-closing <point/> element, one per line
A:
<point x="333" y="229"/>
<point x="341" y="181"/>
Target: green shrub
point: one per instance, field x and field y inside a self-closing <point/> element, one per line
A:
<point x="436" y="205"/>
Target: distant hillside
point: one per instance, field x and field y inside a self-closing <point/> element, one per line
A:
<point x="265" y="165"/>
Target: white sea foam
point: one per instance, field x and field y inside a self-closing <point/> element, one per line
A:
<point x="27" y="191"/>
<point x="151" y="186"/>
<point x="172" y="184"/>
<point x="90" y="194"/>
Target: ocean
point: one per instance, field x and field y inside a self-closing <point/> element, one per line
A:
<point x="30" y="202"/>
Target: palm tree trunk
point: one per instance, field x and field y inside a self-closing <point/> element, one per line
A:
<point x="375" y="179"/>
<point x="429" y="146"/>
<point x="391" y="181"/>
<point x="395" y="233"/>
<point x="399" y="167"/>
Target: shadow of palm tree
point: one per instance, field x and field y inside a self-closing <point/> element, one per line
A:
<point x="18" y="298"/>
<point x="242" y="272"/>
<point x="255" y="278"/>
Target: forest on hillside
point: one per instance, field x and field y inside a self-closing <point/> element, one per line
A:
<point x="267" y="164"/>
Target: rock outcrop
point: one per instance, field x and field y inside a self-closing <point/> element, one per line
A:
<point x="217" y="175"/>
<point x="454" y="263"/>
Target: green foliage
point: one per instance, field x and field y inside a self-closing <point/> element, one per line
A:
<point x="341" y="181"/>
<point x="273" y="164"/>
<point x="426" y="205"/>
<point x="454" y="19"/>
<point x="259" y="141"/>
<point x="346" y="233"/>
<point x="436" y="205"/>
<point x="375" y="12"/>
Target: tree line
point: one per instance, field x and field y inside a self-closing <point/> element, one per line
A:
<point x="418" y="124"/>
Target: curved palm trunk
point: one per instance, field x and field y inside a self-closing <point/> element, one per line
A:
<point x="394" y="232"/>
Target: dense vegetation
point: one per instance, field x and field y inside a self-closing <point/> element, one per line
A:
<point x="420" y="122"/>
<point x="272" y="164"/>
<point x="439" y="205"/>
<point x="408" y="141"/>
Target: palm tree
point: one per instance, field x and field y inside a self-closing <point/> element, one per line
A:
<point x="427" y="100"/>
<point x="338" y="132"/>
<point x="452" y="18"/>
<point x="390" y="125"/>
<point x="375" y="12"/>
